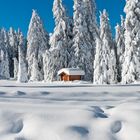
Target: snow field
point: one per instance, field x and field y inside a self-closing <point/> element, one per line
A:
<point x="60" y="111"/>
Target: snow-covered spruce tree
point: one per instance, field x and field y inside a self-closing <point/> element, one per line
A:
<point x="37" y="43"/>
<point x="35" y="73"/>
<point x="4" y="65"/>
<point x="70" y="40"/>
<point x="53" y="62"/>
<point x="99" y="77"/>
<point x="1" y="63"/>
<point x="6" y="44"/>
<point x="49" y="67"/>
<point x="22" y="69"/>
<point x="105" y="59"/>
<point x="59" y="42"/>
<point x="5" y="38"/>
<point x="120" y="43"/>
<point x="13" y="49"/>
<point x="16" y="63"/>
<point x="4" y="60"/>
<point x="131" y="65"/>
<point x="122" y="23"/>
<point x="91" y="20"/>
<point x="13" y="41"/>
<point x="84" y="36"/>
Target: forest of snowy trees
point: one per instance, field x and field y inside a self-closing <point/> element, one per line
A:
<point x="77" y="41"/>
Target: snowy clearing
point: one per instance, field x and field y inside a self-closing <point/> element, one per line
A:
<point x="69" y="111"/>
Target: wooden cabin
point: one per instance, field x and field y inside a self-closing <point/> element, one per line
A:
<point x="71" y="74"/>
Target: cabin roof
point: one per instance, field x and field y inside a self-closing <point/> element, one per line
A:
<point x="71" y="71"/>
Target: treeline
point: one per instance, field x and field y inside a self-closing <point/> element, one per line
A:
<point x="76" y="42"/>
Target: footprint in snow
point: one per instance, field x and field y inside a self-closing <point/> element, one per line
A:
<point x="45" y="93"/>
<point x="82" y="131"/>
<point x="116" y="127"/>
<point x="98" y="112"/>
<point x="16" y="126"/>
<point x="20" y="93"/>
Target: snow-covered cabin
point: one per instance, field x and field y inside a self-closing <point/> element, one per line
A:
<point x="71" y="74"/>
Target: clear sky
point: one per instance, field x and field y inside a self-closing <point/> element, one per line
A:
<point x="17" y="13"/>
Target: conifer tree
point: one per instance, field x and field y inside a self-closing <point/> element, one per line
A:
<point x="105" y="58"/>
<point x="99" y="77"/>
<point x="35" y="74"/>
<point x="120" y="43"/>
<point x="22" y="69"/>
<point x="49" y="66"/>
<point x="60" y="41"/>
<point x="131" y="64"/>
<point x="13" y="48"/>
<point x="4" y="65"/>
<point x="38" y="40"/>
<point x="4" y="60"/>
<point x="13" y="41"/>
<point x="15" y="68"/>
<point x="85" y="30"/>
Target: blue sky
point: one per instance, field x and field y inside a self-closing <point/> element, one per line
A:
<point x="17" y="13"/>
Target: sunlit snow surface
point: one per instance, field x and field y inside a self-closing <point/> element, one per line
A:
<point x="69" y="111"/>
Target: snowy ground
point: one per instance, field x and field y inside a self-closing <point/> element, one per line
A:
<point x="70" y="111"/>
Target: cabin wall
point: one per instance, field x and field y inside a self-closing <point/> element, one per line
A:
<point x="65" y="77"/>
<point x="75" y="77"/>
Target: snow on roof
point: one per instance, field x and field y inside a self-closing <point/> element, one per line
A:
<point x="71" y="71"/>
